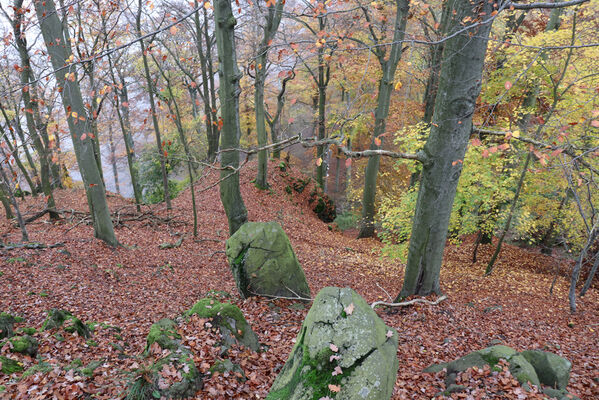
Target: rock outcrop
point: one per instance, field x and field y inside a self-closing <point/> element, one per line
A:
<point x="263" y="262"/>
<point x="343" y="351"/>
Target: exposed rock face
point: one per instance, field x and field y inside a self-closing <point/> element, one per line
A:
<point x="344" y="351"/>
<point x="530" y="367"/>
<point x="230" y="321"/>
<point x="263" y="262"/>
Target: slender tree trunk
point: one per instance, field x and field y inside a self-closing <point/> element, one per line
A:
<point x="229" y="90"/>
<point x="273" y="19"/>
<point x="72" y="100"/>
<point x="6" y="203"/>
<point x="121" y="106"/>
<point x="13" y="200"/>
<point x="37" y="129"/>
<point x="151" y="89"/>
<point x="115" y="171"/>
<point x="577" y="267"/>
<point x="459" y="87"/>
<point x="592" y="273"/>
<point x="172" y="102"/>
<point x="388" y="66"/>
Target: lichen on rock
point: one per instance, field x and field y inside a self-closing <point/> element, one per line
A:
<point x="263" y="262"/>
<point x="342" y="343"/>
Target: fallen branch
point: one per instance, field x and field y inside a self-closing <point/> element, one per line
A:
<point x="34" y="246"/>
<point x="408" y="303"/>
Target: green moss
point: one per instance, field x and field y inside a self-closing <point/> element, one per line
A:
<point x="315" y="373"/>
<point x="7" y="322"/>
<point x="66" y="320"/>
<point x="27" y="331"/>
<point x="24" y="344"/>
<point x="92" y="343"/>
<point x="163" y="332"/>
<point x="230" y="320"/>
<point x="10" y="366"/>
<point x="41" y="367"/>
<point x="91" y="367"/>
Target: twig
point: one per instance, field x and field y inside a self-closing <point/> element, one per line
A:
<point x="383" y="289"/>
<point x="271" y="296"/>
<point x="407" y="303"/>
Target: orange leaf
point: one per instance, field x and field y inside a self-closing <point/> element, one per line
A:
<point x="334" y="388"/>
<point x="378" y="141"/>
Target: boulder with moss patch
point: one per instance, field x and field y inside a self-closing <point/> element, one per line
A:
<point x="528" y="367"/>
<point x="7" y="322"/>
<point x="263" y="262"/>
<point x="24" y="345"/>
<point x="230" y="321"/>
<point x="177" y="362"/>
<point x="342" y="345"/>
<point x="61" y="318"/>
<point x="521" y="369"/>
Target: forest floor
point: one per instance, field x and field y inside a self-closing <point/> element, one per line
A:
<point x="134" y="286"/>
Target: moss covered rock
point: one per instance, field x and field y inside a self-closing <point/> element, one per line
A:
<point x="163" y="332"/>
<point x="177" y="360"/>
<point x="342" y="343"/>
<point x="61" y="318"/>
<point x="263" y="262"/>
<point x="528" y="367"/>
<point x="552" y="369"/>
<point x="230" y="321"/>
<point x="9" y="366"/>
<point x="7" y="322"/>
<point x="24" y="345"/>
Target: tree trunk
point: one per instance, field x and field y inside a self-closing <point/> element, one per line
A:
<point x="37" y="129"/>
<point x="151" y="89"/>
<point x="273" y="19"/>
<point x="115" y="171"/>
<point x="459" y="87"/>
<point x="121" y="107"/>
<point x="229" y="91"/>
<point x="13" y="200"/>
<point x="388" y="66"/>
<point x="6" y="203"/>
<point x="72" y="101"/>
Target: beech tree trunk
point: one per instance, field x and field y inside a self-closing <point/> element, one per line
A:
<point x="459" y="87"/>
<point x="388" y="66"/>
<point x="79" y="124"/>
<point x="229" y="91"/>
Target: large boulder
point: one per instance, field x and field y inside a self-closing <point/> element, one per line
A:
<point x="344" y="350"/>
<point x="552" y="369"/>
<point x="263" y="262"/>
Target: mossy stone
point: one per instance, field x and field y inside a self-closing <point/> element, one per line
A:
<point x="553" y="370"/>
<point x="24" y="345"/>
<point x="61" y="318"/>
<point x="10" y="366"/>
<point x="230" y="320"/>
<point x="356" y="343"/>
<point x="163" y="332"/>
<point x="263" y="262"/>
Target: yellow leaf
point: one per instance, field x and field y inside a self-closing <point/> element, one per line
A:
<point x="319" y="162"/>
<point x="516" y="134"/>
<point x="74" y="114"/>
<point x="398" y="85"/>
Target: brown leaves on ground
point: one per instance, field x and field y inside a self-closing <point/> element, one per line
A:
<point x="133" y="287"/>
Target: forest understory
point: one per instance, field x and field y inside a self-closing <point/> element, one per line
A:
<point x="125" y="290"/>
